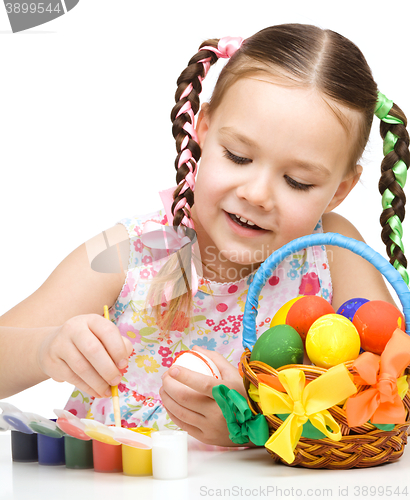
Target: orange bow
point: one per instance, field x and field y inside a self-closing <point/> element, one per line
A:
<point x="381" y="403"/>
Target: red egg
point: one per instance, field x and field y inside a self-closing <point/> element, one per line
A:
<point x="376" y="321"/>
<point x="306" y="311"/>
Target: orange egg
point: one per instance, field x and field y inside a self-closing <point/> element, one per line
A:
<point x="376" y="321"/>
<point x="280" y="316"/>
<point x="303" y="313"/>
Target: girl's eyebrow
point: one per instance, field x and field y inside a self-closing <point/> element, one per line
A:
<point x="230" y="131"/>
<point x="317" y="168"/>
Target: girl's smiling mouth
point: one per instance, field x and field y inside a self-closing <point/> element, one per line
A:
<point x="242" y="225"/>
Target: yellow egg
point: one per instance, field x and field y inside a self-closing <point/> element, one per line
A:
<point x="280" y="316"/>
<point x="332" y="339"/>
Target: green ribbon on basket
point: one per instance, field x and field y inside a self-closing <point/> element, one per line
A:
<point x="309" y="430"/>
<point x="384" y="427"/>
<point x="382" y="110"/>
<point x="243" y="426"/>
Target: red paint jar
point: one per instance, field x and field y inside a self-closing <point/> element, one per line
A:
<point x="107" y="457"/>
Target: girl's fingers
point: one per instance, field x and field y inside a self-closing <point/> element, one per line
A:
<point x="96" y="357"/>
<point x="192" y="430"/>
<point x="67" y="375"/>
<point x="224" y="366"/>
<point x="110" y="337"/>
<point x="181" y="412"/>
<point x="191" y="409"/>
<point x="128" y="347"/>
<point x="208" y="430"/>
<point x="87" y="351"/>
<point x="229" y="373"/>
<point x="182" y="400"/>
<point x="100" y="342"/>
<point x="83" y="372"/>
<point x="200" y="383"/>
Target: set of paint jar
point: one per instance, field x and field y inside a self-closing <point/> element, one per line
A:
<point x="85" y="444"/>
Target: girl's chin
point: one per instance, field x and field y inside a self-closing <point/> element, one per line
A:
<point x="240" y="258"/>
<point x="231" y="271"/>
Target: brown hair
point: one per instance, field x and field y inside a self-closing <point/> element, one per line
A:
<point x="302" y="55"/>
<point x="390" y="184"/>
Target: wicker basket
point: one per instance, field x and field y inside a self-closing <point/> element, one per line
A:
<point x="363" y="446"/>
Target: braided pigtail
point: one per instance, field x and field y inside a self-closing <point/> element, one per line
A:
<point x="177" y="272"/>
<point x="183" y="122"/>
<point x="393" y="178"/>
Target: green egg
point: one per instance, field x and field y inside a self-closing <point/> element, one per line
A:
<point x="279" y="346"/>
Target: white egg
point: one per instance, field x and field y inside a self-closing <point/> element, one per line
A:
<point x="199" y="363"/>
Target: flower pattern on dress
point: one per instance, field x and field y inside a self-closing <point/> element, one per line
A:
<point x="310" y="284"/>
<point x="205" y="342"/>
<point x="179" y="323"/>
<point x="216" y="324"/>
<point x="148" y="363"/>
<point x="128" y="330"/>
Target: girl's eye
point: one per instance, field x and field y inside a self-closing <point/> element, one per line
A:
<point x="236" y="159"/>
<point x="298" y="185"/>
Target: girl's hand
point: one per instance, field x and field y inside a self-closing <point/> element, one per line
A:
<point x="87" y="351"/>
<point x="187" y="397"/>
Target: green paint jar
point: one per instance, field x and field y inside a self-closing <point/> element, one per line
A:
<point x="78" y="453"/>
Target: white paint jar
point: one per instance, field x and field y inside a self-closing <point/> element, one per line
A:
<point x="169" y="454"/>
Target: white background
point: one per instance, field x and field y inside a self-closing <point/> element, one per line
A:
<point x="85" y="134"/>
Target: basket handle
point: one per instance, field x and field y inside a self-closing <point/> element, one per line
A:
<point x="358" y="247"/>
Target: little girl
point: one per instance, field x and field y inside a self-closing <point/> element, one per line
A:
<point x="279" y="142"/>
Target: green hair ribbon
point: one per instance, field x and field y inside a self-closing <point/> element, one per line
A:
<point x="382" y="110"/>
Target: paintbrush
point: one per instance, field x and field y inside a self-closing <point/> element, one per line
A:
<point x="114" y="389"/>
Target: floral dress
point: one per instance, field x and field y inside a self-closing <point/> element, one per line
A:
<point x="215" y="324"/>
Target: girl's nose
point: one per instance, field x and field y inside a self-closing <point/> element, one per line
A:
<point x="258" y="192"/>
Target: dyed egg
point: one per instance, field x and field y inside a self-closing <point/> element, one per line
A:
<point x="280" y="316"/>
<point x="348" y="309"/>
<point x="198" y="362"/>
<point x="279" y="346"/>
<point x="376" y="321"/>
<point x="303" y="313"/>
<point x="332" y="339"/>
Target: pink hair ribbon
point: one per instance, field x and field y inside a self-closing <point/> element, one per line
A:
<point x="156" y="236"/>
<point x="227" y="46"/>
<point x="382" y="402"/>
<point x="167" y="198"/>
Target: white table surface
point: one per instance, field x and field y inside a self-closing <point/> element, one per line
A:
<point x="213" y="473"/>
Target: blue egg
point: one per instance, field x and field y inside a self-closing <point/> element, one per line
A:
<point x="349" y="308"/>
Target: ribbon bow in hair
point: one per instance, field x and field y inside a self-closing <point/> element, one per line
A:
<point x="303" y="403"/>
<point x="227" y="46"/>
<point x="382" y="402"/>
<point x="157" y="236"/>
<point x="243" y="426"/>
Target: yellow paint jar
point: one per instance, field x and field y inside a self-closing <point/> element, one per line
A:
<point x="137" y="461"/>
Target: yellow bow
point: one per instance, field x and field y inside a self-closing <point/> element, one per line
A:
<point x="303" y="404"/>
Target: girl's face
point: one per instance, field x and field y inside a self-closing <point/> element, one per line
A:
<point x="274" y="159"/>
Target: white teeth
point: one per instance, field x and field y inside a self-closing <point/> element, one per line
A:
<point x="245" y="221"/>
